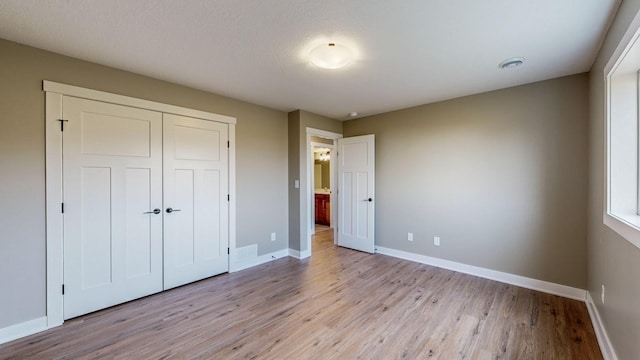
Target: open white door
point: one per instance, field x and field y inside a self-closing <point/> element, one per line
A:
<point x="356" y="192"/>
<point x="196" y="188"/>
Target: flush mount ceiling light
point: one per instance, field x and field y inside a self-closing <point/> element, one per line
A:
<point x="511" y="63"/>
<point x="353" y="114"/>
<point x="330" y="56"/>
<point x="324" y="157"/>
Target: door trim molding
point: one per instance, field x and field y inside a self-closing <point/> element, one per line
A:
<point x="75" y="91"/>
<point x="54" y="219"/>
<point x="54" y="93"/>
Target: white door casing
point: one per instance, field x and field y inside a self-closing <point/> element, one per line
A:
<point x="112" y="173"/>
<point x="356" y="193"/>
<point x="196" y="207"/>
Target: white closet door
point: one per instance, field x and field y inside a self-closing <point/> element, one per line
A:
<point x="196" y="226"/>
<point x="112" y="177"/>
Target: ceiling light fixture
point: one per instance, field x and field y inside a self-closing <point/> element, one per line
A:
<point x="331" y="56"/>
<point x="353" y="114"/>
<point x="511" y="63"/>
<point x="324" y="157"/>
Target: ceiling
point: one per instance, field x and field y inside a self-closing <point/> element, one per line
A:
<point x="409" y="52"/>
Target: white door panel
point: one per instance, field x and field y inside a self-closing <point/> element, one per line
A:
<point x="356" y="192"/>
<point x="210" y="216"/>
<point x="112" y="172"/>
<point x="116" y="171"/>
<point x="138" y="224"/>
<point x="196" y="187"/>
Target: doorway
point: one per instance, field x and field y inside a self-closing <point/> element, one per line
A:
<point x="320" y="198"/>
<point x="323" y="185"/>
<point x="352" y="202"/>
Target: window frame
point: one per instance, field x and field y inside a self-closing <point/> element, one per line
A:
<point x="626" y="56"/>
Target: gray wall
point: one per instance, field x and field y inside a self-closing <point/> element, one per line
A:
<point x="299" y="121"/>
<point x="261" y="145"/>
<point x="501" y="177"/>
<point x="613" y="261"/>
<point x="294" y="174"/>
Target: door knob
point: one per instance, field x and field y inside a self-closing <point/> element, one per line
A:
<point x="369" y="200"/>
<point x="170" y="210"/>
<point x="154" y="211"/>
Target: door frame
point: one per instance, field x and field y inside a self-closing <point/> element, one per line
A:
<point x="306" y="231"/>
<point x="312" y="185"/>
<point x="54" y="93"/>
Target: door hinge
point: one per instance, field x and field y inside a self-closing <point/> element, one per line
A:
<point x="228" y="251"/>
<point x="62" y="289"/>
<point x="62" y="208"/>
<point x="228" y="144"/>
<point x="228" y="197"/>
<point x="62" y="121"/>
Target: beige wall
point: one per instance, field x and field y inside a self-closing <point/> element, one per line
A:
<point x="261" y="145"/>
<point x="500" y="177"/>
<point x="299" y="121"/>
<point x="613" y="261"/>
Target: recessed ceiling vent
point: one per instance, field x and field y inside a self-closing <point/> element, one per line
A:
<point x="511" y="63"/>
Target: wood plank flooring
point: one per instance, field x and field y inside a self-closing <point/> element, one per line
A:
<point x="339" y="304"/>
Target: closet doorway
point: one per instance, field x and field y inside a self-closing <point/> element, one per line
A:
<point x="139" y="198"/>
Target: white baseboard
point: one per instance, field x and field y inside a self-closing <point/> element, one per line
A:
<point x="258" y="260"/>
<point x="22" y="329"/>
<point x="298" y="254"/>
<point x="525" y="282"/>
<point x="608" y="353"/>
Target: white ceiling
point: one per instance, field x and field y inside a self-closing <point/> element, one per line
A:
<point x="410" y="52"/>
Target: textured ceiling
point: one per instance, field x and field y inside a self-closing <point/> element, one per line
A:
<point x="410" y="52"/>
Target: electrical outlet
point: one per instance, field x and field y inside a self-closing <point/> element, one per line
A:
<point x="410" y="236"/>
<point x="436" y="240"/>
<point x="296" y="184"/>
<point x="273" y="236"/>
<point x="602" y="295"/>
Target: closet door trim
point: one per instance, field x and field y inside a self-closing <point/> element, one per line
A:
<point x="54" y="93"/>
<point x="75" y="91"/>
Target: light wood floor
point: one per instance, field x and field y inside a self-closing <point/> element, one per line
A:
<point x="339" y="304"/>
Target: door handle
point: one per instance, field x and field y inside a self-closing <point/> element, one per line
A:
<point x="154" y="211"/>
<point x="369" y="200"/>
<point x="170" y="210"/>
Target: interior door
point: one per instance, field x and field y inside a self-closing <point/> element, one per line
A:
<point x="356" y="192"/>
<point x="196" y="232"/>
<point x="112" y="171"/>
